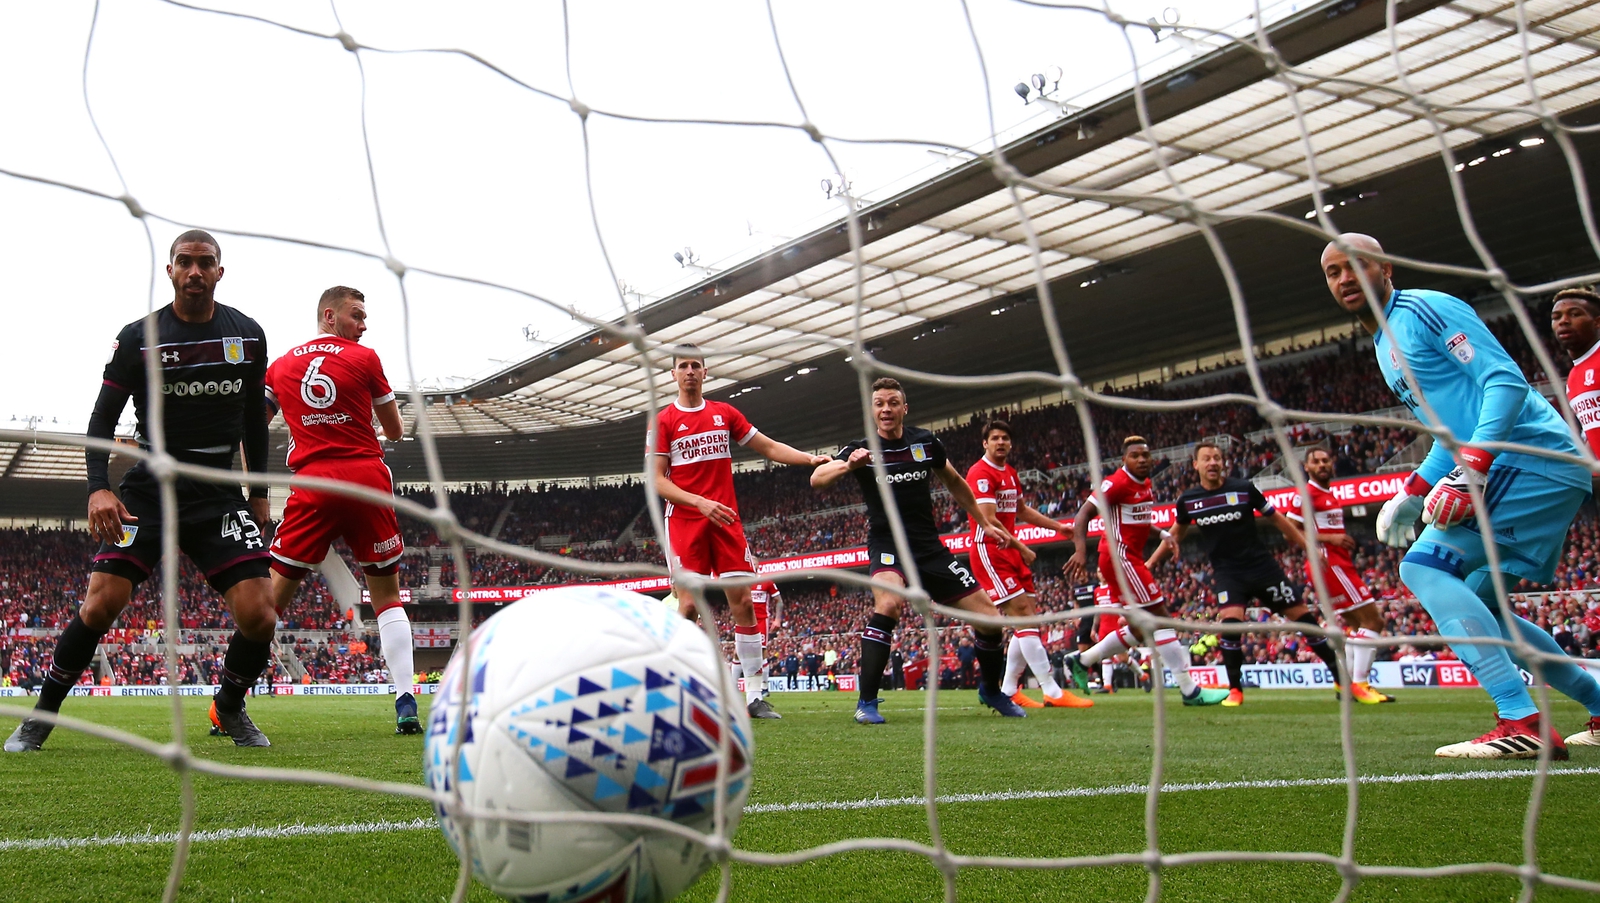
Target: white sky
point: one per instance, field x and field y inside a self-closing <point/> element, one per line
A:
<point x="222" y="122"/>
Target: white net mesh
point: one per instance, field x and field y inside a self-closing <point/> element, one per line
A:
<point x="1540" y="38"/>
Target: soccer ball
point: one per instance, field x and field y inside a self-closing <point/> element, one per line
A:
<point x="584" y="699"/>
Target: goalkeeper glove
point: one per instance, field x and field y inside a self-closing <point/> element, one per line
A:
<point x="1450" y="502"/>
<point x="1397" y="520"/>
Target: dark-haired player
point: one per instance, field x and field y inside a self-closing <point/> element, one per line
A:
<point x="1575" y="321"/>
<point x="694" y="439"/>
<point x="1128" y="517"/>
<point x="912" y="457"/>
<point x="1349" y="595"/>
<point x="212" y="363"/>
<point x="329" y="388"/>
<point x="1223" y="510"/>
<point x="1003" y="570"/>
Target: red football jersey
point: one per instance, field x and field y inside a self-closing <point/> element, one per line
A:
<point x="761" y="596"/>
<point x="326" y="389"/>
<point x="1131" y="503"/>
<point x="997" y="485"/>
<point x="699" y="445"/>
<point x="1329" y="512"/>
<point x="1583" y="393"/>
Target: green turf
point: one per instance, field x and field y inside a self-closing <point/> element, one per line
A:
<point x="83" y="787"/>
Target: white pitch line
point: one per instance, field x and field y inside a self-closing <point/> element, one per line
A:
<point x="421" y="824"/>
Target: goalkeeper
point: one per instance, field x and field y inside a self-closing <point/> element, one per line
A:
<point x="1476" y="391"/>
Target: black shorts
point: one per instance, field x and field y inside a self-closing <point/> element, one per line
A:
<point x="945" y="578"/>
<point x="225" y="543"/>
<point x="1265" y="584"/>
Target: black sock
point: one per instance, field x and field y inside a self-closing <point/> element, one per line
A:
<point x="1233" y="655"/>
<point x="241" y="665"/>
<point x="876" y="638"/>
<point x="1319" y="645"/>
<point x="74" y="652"/>
<point x="991" y="659"/>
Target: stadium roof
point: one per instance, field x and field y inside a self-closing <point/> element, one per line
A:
<point x="947" y="281"/>
<point x="1228" y="133"/>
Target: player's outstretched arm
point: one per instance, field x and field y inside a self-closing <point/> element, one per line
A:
<point x="106" y="511"/>
<point x="776" y="451"/>
<point x="1033" y="518"/>
<point x="1167" y="546"/>
<point x="1078" y="565"/>
<point x="962" y="493"/>
<point x="829" y="472"/>
<point x="394" y="429"/>
<point x="1288" y="529"/>
<point x="716" y="512"/>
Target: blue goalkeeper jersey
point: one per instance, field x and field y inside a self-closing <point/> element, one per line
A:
<point x="1458" y="364"/>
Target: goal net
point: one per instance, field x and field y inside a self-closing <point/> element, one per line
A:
<point x="1261" y="129"/>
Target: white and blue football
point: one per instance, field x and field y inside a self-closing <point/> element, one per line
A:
<point x="585" y="699"/>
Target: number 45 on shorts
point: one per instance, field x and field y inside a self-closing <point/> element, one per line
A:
<point x="239" y="525"/>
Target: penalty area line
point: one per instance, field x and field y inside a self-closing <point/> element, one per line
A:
<point x="276" y="832"/>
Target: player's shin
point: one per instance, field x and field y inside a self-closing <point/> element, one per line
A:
<point x="747" y="648"/>
<point x="876" y="638"/>
<point x="991" y="658"/>
<point x="1115" y="643"/>
<point x="1016" y="663"/>
<point x="1038" y="660"/>
<point x="1361" y="656"/>
<point x="242" y="664"/>
<point x="1567" y="676"/>
<point x="1176" y="659"/>
<point x="1459" y="612"/>
<point x="1319" y="644"/>
<point x="74" y="652"/>
<point x="1233" y="655"/>
<point x="394" y="632"/>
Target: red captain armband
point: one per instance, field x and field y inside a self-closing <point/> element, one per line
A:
<point x="1475" y="458"/>
<point x="1416" y="485"/>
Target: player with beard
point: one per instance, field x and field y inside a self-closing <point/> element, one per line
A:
<point x="693" y="443"/>
<point x="329" y="389"/>
<point x="912" y="456"/>
<point x="1479" y="395"/>
<point x="1351" y="599"/>
<point x="1223" y="510"/>
<point x="213" y="364"/>
<point x="1003" y="571"/>
<point x="1129" y="500"/>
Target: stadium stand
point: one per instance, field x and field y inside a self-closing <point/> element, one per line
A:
<point x="45" y="570"/>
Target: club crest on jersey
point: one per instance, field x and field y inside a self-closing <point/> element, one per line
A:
<point x="233" y="350"/>
<point x="1394" y="359"/>
<point x="886" y="558"/>
<point x="1460" y="347"/>
<point x="1233" y="498"/>
<point x="1588" y="377"/>
<point x="919" y="453"/>
<point x="716" y="420"/>
<point x="129" y="531"/>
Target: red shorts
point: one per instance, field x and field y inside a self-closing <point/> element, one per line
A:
<point x="760" y="609"/>
<point x="1000" y="572"/>
<point x="1105" y="624"/>
<point x="313" y="520"/>
<point x="1345" y="589"/>
<point x="1146" y="591"/>
<point x="702" y="546"/>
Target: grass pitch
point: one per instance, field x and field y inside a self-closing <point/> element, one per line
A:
<point x="81" y="787"/>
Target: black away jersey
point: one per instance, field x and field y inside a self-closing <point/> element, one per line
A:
<point x="909" y="464"/>
<point x="1225" y="518"/>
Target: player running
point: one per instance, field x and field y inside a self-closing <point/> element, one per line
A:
<point x="1479" y="394"/>
<point x="694" y="475"/>
<point x="911" y="455"/>
<point x="1223" y="510"/>
<point x="1003" y="572"/>
<point x="1349" y="595"/>
<point x="213" y="359"/>
<point x="1130" y="498"/>
<point x="329" y="389"/>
